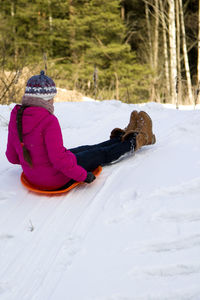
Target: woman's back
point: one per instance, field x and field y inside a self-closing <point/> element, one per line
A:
<point x="41" y="131"/>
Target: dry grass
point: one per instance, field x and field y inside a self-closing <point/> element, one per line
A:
<point x="64" y="95"/>
<point x="12" y="86"/>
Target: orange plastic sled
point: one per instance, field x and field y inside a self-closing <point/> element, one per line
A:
<point x="34" y="189"/>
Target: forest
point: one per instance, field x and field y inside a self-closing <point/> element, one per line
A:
<point x="130" y="50"/>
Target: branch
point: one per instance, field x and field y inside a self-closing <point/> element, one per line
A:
<point x="13" y="81"/>
<point x="102" y="46"/>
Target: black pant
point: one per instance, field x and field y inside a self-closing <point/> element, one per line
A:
<point x="92" y="156"/>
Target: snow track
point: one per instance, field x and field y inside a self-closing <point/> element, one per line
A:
<point x="134" y="234"/>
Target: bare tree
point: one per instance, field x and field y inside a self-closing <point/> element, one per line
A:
<point x="165" y="48"/>
<point x="12" y="12"/>
<point x="50" y="16"/>
<point x="153" y="41"/>
<point x="172" y="49"/>
<point x="198" y="63"/>
<point x="185" y="53"/>
<point x="178" y="49"/>
<point x="156" y="36"/>
<point x="9" y="91"/>
<point x="122" y="10"/>
<point x="149" y="33"/>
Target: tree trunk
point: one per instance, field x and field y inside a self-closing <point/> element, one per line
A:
<point x="165" y="50"/>
<point x="72" y="31"/>
<point x="151" y="50"/>
<point x="12" y="12"/>
<point x="149" y="34"/>
<point x="50" y="17"/>
<point x="122" y="10"/>
<point x="155" y="52"/>
<point x="73" y="54"/>
<point x="172" y="47"/>
<point x="179" y="80"/>
<point x="198" y="64"/>
<point x="117" y="86"/>
<point x="187" y="68"/>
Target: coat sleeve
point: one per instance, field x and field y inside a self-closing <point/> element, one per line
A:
<point x="61" y="158"/>
<point x="11" y="152"/>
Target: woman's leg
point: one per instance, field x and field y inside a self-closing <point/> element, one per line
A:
<point x="92" y="156"/>
<point x="96" y="146"/>
<point x="103" y="153"/>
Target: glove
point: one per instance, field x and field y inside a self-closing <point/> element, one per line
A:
<point x="90" y="177"/>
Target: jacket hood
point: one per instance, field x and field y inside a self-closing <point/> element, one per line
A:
<point x="32" y="116"/>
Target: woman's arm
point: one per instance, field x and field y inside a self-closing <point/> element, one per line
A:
<point x="61" y="158"/>
<point x="11" y="153"/>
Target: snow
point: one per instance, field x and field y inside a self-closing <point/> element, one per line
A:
<point x="133" y="234"/>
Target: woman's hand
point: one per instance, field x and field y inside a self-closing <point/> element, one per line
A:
<point x="90" y="177"/>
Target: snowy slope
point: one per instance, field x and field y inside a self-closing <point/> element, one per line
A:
<point x="134" y="234"/>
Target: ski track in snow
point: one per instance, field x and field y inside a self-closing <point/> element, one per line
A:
<point x="61" y="256"/>
<point x="179" y="295"/>
<point x="169" y="271"/>
<point x="175" y="245"/>
<point x="178" y="216"/>
<point x="42" y="237"/>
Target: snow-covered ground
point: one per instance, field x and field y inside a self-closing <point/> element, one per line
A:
<point x="133" y="234"/>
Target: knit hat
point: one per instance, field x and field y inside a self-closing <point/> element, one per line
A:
<point x="40" y="86"/>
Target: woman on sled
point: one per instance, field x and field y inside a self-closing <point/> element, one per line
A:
<point x="35" y="140"/>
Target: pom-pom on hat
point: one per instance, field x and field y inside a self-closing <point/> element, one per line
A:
<point x="40" y="86"/>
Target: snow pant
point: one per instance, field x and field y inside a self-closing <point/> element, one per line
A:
<point x="92" y="156"/>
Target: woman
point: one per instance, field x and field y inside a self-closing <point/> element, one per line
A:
<point x="35" y="140"/>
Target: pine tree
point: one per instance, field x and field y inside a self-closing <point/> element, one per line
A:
<point x="36" y="28"/>
<point x="99" y="40"/>
<point x="81" y="40"/>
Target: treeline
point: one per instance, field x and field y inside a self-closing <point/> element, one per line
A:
<point x="106" y="49"/>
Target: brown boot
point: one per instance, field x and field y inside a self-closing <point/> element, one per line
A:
<point x="118" y="132"/>
<point x="143" y="129"/>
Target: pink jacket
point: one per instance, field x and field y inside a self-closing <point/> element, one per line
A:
<point x="53" y="164"/>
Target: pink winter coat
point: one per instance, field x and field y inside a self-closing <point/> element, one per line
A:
<point x="53" y="164"/>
